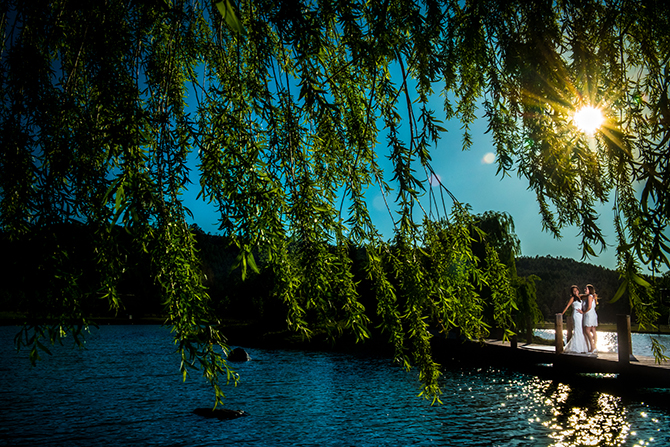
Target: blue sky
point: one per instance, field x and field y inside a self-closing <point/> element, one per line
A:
<point x="471" y="177"/>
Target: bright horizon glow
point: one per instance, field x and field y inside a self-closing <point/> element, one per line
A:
<point x="588" y="119"/>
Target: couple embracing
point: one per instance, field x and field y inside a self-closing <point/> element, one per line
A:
<point x="585" y="320"/>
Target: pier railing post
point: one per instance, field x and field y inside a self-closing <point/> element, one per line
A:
<point x="624" y="338"/>
<point x="559" y="333"/>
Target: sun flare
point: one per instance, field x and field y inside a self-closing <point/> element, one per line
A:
<point x="588" y="119"/>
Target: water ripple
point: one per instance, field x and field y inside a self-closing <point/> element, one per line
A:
<point x="125" y="389"/>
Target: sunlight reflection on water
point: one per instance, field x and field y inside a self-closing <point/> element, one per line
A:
<point x="580" y="418"/>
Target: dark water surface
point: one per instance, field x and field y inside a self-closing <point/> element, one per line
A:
<point x="125" y="389"/>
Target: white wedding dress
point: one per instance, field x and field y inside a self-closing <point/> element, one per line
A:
<point x="591" y="317"/>
<point x="577" y="343"/>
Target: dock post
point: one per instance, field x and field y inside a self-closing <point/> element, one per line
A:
<point x="559" y="333"/>
<point x="625" y="347"/>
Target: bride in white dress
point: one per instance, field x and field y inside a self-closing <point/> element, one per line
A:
<point x="577" y="343"/>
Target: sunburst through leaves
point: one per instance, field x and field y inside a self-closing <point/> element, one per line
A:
<point x="588" y="119"/>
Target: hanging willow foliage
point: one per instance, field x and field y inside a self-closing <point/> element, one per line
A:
<point x="291" y="104"/>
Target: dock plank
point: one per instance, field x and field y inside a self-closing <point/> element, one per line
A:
<point x="640" y="368"/>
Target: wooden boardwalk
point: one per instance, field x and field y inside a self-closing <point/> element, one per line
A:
<point x="643" y="371"/>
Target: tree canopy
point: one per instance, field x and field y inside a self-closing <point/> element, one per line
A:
<point x="288" y="106"/>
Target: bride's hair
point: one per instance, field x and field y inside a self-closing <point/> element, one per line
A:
<point x="592" y="291"/>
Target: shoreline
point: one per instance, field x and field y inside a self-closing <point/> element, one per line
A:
<point x="9" y="319"/>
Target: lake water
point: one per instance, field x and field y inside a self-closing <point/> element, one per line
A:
<point x="125" y="389"/>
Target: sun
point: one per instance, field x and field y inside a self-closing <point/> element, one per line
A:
<point x="588" y="119"/>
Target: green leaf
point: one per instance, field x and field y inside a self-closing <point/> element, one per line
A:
<point x="251" y="262"/>
<point x="640" y="281"/>
<point x="228" y="13"/>
<point x="120" y="197"/>
<point x="619" y="293"/>
<point x="658" y="351"/>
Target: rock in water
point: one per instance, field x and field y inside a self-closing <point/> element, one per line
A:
<point x="239" y="355"/>
<point x="219" y="413"/>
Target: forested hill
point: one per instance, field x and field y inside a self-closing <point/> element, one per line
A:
<point x="558" y="274"/>
<point x="231" y="296"/>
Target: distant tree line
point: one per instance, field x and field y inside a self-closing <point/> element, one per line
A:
<point x="36" y="285"/>
<point x="235" y="291"/>
<point x="252" y="298"/>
